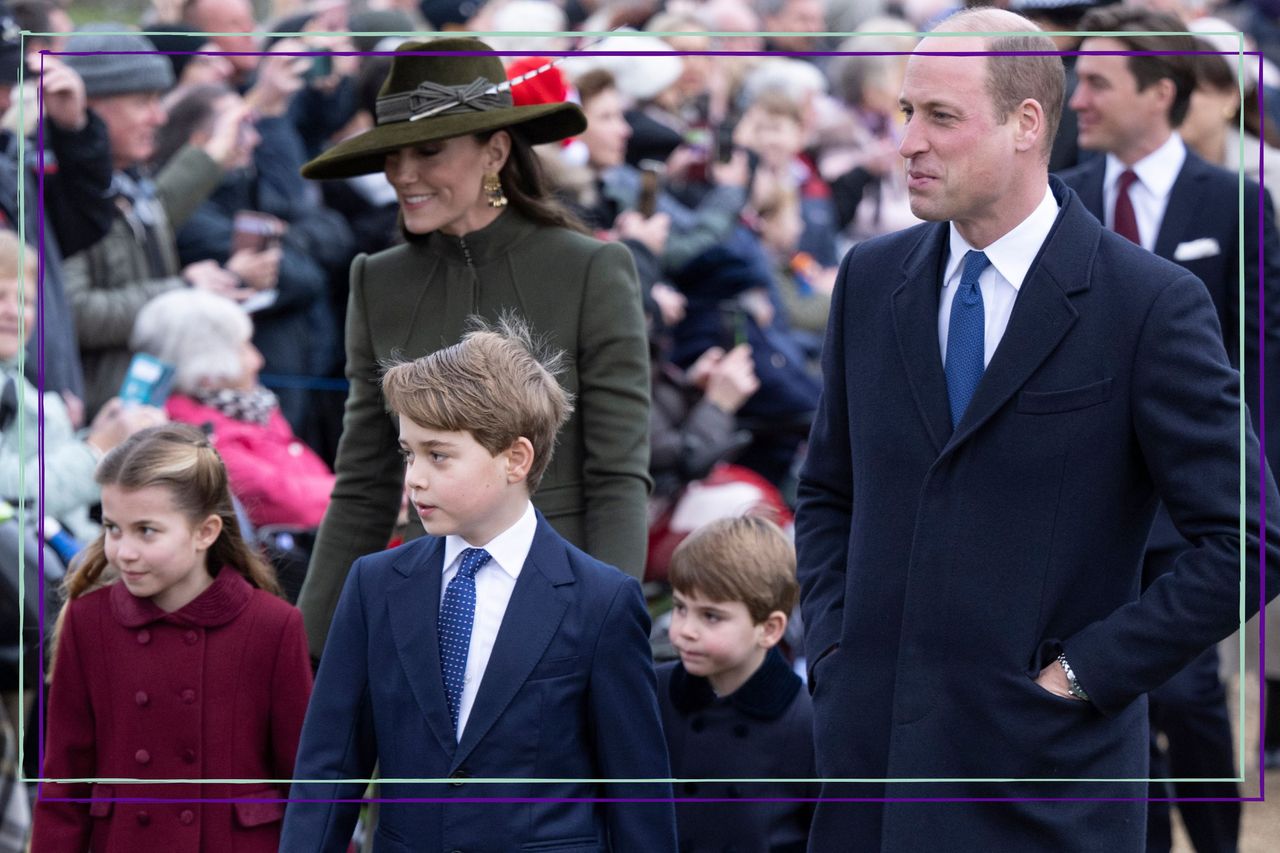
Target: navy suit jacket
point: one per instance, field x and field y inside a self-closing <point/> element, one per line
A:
<point x="1204" y="203"/>
<point x="569" y="693"/>
<point x="942" y="569"/>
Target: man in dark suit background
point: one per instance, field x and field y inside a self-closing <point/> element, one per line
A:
<point x="1185" y="210"/>
<point x="1009" y="389"/>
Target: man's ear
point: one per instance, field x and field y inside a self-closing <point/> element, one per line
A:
<point x="1031" y="127"/>
<point x="772" y="629"/>
<point x="519" y="459"/>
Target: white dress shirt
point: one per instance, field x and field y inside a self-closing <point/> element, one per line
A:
<point x="495" y="581"/>
<point x="1150" y="193"/>
<point x="1011" y="257"/>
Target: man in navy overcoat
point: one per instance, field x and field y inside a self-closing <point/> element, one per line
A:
<point x="1009" y="390"/>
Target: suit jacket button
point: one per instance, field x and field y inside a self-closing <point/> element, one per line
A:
<point x="189" y="756"/>
<point x="187" y="817"/>
<point x="141" y="698"/>
<point x="144" y="636"/>
<point x="142" y="757"/>
<point x="458" y="774"/>
<point x="188" y="696"/>
<point x="190" y="637"/>
<point x="144" y="819"/>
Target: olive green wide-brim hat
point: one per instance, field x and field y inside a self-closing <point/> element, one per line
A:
<point x="453" y="96"/>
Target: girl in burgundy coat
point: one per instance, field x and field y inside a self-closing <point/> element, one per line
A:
<point x="175" y="659"/>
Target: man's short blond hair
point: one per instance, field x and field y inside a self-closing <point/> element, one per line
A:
<point x="497" y="384"/>
<point x="747" y="559"/>
<point x="1038" y="75"/>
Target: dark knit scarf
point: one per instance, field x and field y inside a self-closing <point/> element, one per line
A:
<point x="255" y="407"/>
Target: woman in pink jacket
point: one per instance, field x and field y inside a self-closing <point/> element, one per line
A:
<point x="276" y="477"/>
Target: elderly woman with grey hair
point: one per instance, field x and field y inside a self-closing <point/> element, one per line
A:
<point x="207" y="338"/>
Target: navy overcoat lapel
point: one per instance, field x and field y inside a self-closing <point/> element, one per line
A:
<point x="915" y="322"/>
<point x="1043" y="311"/>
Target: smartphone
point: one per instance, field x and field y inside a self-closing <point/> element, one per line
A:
<point x="147" y="382"/>
<point x="724" y="143"/>
<point x="650" y="182"/>
<point x="254" y="231"/>
<point x="321" y="66"/>
<point x="733" y="324"/>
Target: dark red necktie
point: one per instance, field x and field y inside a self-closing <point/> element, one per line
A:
<point x="1125" y="222"/>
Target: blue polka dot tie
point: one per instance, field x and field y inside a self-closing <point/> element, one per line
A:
<point x="457" y="612"/>
<point x="965" y="337"/>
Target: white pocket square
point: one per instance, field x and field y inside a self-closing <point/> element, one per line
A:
<point x="1205" y="247"/>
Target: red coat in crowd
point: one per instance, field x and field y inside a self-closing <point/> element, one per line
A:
<point x="277" y="477"/>
<point x="215" y="690"/>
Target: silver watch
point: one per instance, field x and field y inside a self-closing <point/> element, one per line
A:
<point x="1073" y="685"/>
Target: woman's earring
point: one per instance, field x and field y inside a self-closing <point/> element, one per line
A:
<point x="493" y="191"/>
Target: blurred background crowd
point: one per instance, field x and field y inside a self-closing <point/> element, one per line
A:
<point x="737" y="167"/>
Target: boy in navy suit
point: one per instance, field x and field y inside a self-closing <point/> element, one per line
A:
<point x="489" y="649"/>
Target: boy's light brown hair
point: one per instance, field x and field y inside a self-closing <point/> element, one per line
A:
<point x="497" y="383"/>
<point x="747" y="559"/>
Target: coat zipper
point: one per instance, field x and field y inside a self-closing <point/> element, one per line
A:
<point x="475" y="290"/>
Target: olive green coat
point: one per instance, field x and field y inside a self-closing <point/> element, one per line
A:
<point x="411" y="300"/>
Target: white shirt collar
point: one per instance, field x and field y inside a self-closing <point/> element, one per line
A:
<point x="1013" y="254"/>
<point x="1156" y="172"/>
<point x="509" y="549"/>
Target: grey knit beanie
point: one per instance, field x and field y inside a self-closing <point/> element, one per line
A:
<point x="140" y="69"/>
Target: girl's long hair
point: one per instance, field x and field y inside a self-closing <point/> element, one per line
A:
<point x="181" y="459"/>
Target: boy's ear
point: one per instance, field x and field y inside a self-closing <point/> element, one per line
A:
<point x="772" y="629"/>
<point x="207" y="531"/>
<point x="519" y="459"/>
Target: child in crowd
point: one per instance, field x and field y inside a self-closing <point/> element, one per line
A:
<point x="175" y="659"/>
<point x="732" y="707"/>
<point x="69" y="460"/>
<point x="489" y="648"/>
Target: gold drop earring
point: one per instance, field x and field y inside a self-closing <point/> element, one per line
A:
<point x="492" y="187"/>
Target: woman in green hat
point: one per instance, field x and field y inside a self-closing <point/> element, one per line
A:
<point x="483" y="236"/>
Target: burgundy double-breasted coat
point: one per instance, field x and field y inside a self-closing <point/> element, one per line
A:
<point x="215" y="690"/>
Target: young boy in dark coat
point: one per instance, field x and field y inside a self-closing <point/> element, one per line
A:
<point x="489" y="649"/>
<point x="731" y="706"/>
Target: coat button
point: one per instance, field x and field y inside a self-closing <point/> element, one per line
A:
<point x="190" y="638"/>
<point x="142" y="757"/>
<point x="189" y="756"/>
<point x="144" y="819"/>
<point x="457" y="775"/>
<point x="740" y="730"/>
<point x="144" y="636"/>
<point x="187" y="817"/>
<point x="188" y="696"/>
<point x="141" y="698"/>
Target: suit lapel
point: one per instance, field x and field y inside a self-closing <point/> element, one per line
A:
<point x="1042" y="313"/>
<point x="532" y="618"/>
<point x="413" y="602"/>
<point x="1183" y="206"/>
<point x="915" y="322"/>
<point x="1089" y="187"/>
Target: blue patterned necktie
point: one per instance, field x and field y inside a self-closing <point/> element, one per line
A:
<point x="965" y="338"/>
<point x="457" y="612"/>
